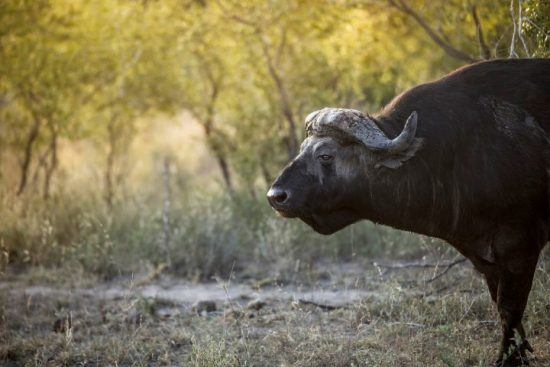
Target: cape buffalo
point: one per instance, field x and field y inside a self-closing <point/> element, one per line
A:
<point x="465" y="158"/>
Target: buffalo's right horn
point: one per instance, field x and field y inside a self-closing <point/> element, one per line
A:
<point x="361" y="128"/>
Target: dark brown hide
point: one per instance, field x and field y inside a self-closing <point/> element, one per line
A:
<point x="480" y="179"/>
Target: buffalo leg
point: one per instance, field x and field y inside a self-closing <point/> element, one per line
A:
<point x="511" y="298"/>
<point x="492" y="277"/>
<point x="492" y="280"/>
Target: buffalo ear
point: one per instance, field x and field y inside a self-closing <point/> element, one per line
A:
<point x="410" y="145"/>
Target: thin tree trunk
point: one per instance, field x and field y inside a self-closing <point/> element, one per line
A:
<point x="109" y="167"/>
<point x="208" y="126"/>
<point x="51" y="167"/>
<point x="27" y="158"/>
<point x="226" y="173"/>
<point x="40" y="166"/>
<point x="252" y="192"/>
<point x="292" y="143"/>
<point x="292" y="140"/>
<point x="265" y="173"/>
<point x="166" y="209"/>
<point x="218" y="154"/>
<point x="485" y="51"/>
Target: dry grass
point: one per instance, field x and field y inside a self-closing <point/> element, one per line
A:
<point x="209" y="236"/>
<point x="404" y="322"/>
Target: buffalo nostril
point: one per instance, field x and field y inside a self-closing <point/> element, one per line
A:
<point x="277" y="196"/>
<point x="281" y="197"/>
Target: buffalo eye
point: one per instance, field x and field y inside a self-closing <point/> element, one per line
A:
<point x="325" y="158"/>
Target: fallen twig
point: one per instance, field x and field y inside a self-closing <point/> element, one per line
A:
<point x="320" y="305"/>
<point x="417" y="264"/>
<point x="449" y="266"/>
<point x="411" y="324"/>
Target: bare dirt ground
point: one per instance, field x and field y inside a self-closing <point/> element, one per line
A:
<point x="353" y="314"/>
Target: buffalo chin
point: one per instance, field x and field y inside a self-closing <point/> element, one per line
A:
<point x="329" y="223"/>
<point x="286" y="214"/>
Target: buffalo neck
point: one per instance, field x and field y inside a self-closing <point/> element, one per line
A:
<point x="406" y="197"/>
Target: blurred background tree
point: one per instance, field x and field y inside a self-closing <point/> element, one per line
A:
<point x="94" y="93"/>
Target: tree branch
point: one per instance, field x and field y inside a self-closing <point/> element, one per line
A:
<point x="450" y="50"/>
<point x="513" y="52"/>
<point x="286" y="107"/>
<point x="520" y="29"/>
<point x="285" y="101"/>
<point x="206" y="120"/>
<point x="485" y="51"/>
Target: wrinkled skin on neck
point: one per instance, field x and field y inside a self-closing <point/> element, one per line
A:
<point x="324" y="184"/>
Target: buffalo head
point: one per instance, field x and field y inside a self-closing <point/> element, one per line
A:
<point x="327" y="184"/>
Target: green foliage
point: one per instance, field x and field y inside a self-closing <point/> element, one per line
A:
<point x="248" y="71"/>
<point x="537" y="26"/>
<point x="89" y="77"/>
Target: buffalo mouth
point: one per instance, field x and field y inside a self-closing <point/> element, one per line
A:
<point x="290" y="212"/>
<point x="323" y="222"/>
<point x="330" y="222"/>
<point x="286" y="213"/>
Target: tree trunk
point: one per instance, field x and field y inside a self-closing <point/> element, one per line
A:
<point x="226" y="173"/>
<point x="40" y="166"/>
<point x="109" y="167"/>
<point x="27" y="158"/>
<point x="484" y="48"/>
<point x="215" y="148"/>
<point x="51" y="167"/>
<point x="286" y="109"/>
<point x="206" y="120"/>
<point x="166" y="209"/>
<point x="291" y="140"/>
<point x="266" y="175"/>
<point x="221" y="159"/>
